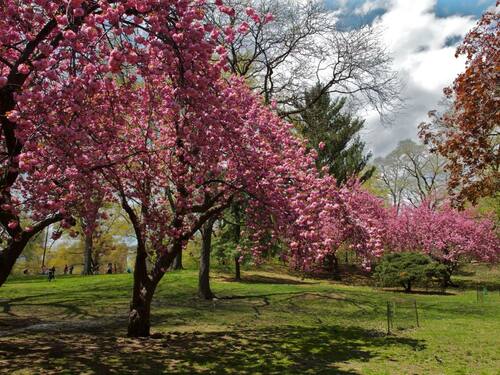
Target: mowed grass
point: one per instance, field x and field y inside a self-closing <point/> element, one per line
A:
<point x="270" y="323"/>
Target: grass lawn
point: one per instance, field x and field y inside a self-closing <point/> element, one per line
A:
<point x="270" y="323"/>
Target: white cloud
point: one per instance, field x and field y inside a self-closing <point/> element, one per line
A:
<point x="371" y="5"/>
<point x="417" y="40"/>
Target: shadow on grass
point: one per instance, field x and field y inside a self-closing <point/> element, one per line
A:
<point x="260" y="279"/>
<point x="469" y="284"/>
<point x="420" y="292"/>
<point x="289" y="349"/>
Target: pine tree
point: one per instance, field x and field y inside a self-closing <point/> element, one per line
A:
<point x="323" y="122"/>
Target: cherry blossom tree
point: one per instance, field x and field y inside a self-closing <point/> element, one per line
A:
<point x="124" y="99"/>
<point x="445" y="234"/>
<point x="53" y="58"/>
<point x="61" y="65"/>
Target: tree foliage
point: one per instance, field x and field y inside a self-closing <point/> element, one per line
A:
<point x="409" y="270"/>
<point x="445" y="234"/>
<point x="467" y="135"/>
<point x="334" y="134"/>
<point x="410" y="174"/>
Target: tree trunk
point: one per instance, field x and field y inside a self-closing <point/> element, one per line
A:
<point x="8" y="257"/>
<point x="87" y="255"/>
<point x="237" y="272"/>
<point x="333" y="266"/>
<point x="451" y="268"/>
<point x="139" y="320"/>
<point x="177" y="264"/>
<point x="204" y="290"/>
<point x="336" y="268"/>
<point x="46" y="241"/>
<point x="407" y="287"/>
<point x="237" y="237"/>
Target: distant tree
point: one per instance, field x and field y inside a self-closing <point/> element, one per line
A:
<point x="468" y="134"/>
<point x="449" y="236"/>
<point x="177" y="263"/>
<point x="411" y="174"/>
<point x="334" y="134"/>
<point x="408" y="270"/>
<point x="230" y="238"/>
<point x="285" y="44"/>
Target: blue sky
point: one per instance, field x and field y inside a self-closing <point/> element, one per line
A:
<point x="422" y="36"/>
<point x="442" y="9"/>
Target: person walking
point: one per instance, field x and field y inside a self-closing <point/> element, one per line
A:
<point x="52" y="273"/>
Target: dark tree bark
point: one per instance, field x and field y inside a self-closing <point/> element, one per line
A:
<point x="407" y="287"/>
<point x="177" y="264"/>
<point x="16" y="245"/>
<point x="333" y="266"/>
<point x="336" y="268"/>
<point x="45" y="242"/>
<point x="204" y="290"/>
<point x="237" y="237"/>
<point x="87" y="255"/>
<point x="145" y="282"/>
<point x="8" y="257"/>
<point x="139" y="322"/>
<point x="237" y="271"/>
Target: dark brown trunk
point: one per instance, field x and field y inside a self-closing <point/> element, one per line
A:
<point x="145" y="283"/>
<point x="46" y="241"/>
<point x="139" y="321"/>
<point x="336" y="268"/>
<point x="407" y="287"/>
<point x="237" y="271"/>
<point x="204" y="290"/>
<point x="87" y="255"/>
<point x="332" y="264"/>
<point x="177" y="264"/>
<point x="237" y="237"/>
<point x="8" y="257"/>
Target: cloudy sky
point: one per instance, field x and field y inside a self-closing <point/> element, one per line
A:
<point x="422" y="36"/>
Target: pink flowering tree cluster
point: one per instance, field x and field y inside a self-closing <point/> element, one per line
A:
<point x="62" y="66"/>
<point x="126" y="100"/>
<point x="445" y="234"/>
<point x="200" y="150"/>
<point x="53" y="62"/>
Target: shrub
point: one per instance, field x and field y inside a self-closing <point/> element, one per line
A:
<point x="408" y="270"/>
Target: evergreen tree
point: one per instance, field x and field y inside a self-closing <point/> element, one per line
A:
<point x="323" y="123"/>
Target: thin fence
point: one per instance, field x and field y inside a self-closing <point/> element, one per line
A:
<point x="402" y="314"/>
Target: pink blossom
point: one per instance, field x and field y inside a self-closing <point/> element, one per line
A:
<point x="244" y="27"/>
<point x="23" y="69"/>
<point x="13" y="224"/>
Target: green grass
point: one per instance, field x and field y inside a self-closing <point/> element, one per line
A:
<point x="271" y="323"/>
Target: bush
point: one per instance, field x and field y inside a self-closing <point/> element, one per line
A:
<point x="408" y="270"/>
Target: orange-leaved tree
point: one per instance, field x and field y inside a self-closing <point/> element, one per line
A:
<point x="468" y="135"/>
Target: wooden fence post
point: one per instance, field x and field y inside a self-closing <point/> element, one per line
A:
<point x="388" y="318"/>
<point x="416" y="312"/>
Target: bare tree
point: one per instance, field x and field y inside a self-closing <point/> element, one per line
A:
<point x="303" y="45"/>
<point x="412" y="174"/>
